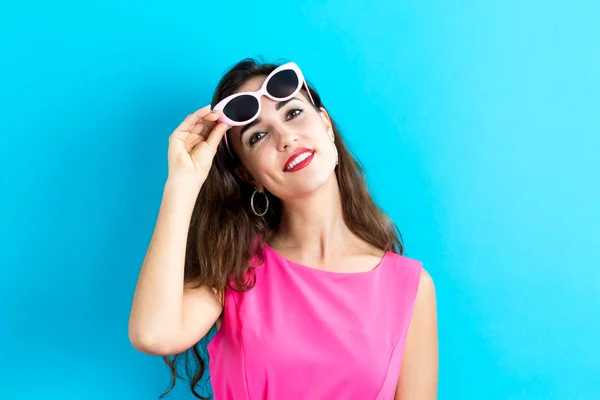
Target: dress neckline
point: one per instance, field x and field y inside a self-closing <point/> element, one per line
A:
<point x="296" y="265"/>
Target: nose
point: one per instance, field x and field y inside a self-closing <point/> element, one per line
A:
<point x="285" y="137"/>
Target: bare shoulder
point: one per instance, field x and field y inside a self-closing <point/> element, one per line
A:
<point x="424" y="317"/>
<point x="426" y="290"/>
<point x="426" y="281"/>
<point x="419" y="373"/>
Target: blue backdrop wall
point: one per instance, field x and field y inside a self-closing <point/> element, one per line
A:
<point x="477" y="122"/>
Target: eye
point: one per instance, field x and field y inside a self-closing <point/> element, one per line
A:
<point x="294" y="113"/>
<point x="252" y="140"/>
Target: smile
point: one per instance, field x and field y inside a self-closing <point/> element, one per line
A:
<point x="300" y="161"/>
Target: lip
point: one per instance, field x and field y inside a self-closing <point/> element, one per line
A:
<point x="301" y="164"/>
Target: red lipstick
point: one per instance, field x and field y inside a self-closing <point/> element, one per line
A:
<point x="301" y="151"/>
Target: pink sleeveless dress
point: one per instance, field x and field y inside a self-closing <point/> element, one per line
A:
<point x="303" y="333"/>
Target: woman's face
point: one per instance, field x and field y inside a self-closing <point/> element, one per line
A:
<point x="265" y="146"/>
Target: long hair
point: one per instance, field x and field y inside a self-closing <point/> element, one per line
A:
<point x="225" y="234"/>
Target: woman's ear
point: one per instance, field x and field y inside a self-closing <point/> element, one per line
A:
<point x="326" y="119"/>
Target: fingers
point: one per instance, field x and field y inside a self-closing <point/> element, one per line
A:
<point x="206" y="124"/>
<point x="216" y="135"/>
<point x="212" y="116"/>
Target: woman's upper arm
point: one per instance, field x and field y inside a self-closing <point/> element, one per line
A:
<point x="419" y="370"/>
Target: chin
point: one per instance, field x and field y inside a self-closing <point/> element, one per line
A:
<point x="313" y="183"/>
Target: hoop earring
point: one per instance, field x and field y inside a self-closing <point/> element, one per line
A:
<point x="252" y="203"/>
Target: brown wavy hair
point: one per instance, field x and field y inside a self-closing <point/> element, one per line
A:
<point x="222" y="220"/>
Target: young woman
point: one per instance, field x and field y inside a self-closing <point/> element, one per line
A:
<point x="267" y="229"/>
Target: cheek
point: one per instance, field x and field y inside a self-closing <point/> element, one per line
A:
<point x="263" y="162"/>
<point x="318" y="129"/>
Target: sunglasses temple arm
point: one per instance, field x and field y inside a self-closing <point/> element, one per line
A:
<point x="308" y="91"/>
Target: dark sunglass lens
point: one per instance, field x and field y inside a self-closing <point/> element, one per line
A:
<point x="283" y="83"/>
<point x="241" y="108"/>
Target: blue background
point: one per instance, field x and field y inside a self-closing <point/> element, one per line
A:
<point x="477" y="121"/>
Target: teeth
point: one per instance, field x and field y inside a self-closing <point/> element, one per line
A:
<point x="297" y="160"/>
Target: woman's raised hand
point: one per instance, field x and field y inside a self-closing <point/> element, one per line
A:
<point x="192" y="146"/>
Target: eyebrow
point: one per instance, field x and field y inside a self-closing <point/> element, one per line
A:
<point x="258" y="120"/>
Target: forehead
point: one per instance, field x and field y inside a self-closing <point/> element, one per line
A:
<point x="252" y="84"/>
